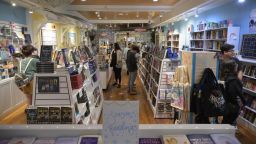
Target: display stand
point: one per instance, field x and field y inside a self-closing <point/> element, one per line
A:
<point x="154" y="73"/>
<point x="105" y="76"/>
<point x="173" y="41"/>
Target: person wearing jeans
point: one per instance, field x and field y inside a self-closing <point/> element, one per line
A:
<point x="132" y="68"/>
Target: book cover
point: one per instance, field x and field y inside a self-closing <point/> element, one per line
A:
<point x="176" y="139"/>
<point x="31" y="116"/>
<point x="90" y="139"/>
<point x="42" y="115"/>
<point x="224" y="139"/>
<point x="66" y="115"/>
<point x="65" y="56"/>
<point x="150" y="141"/>
<point x="45" y="141"/>
<point x="66" y="140"/>
<point x="200" y="139"/>
<point x="4" y="141"/>
<point x="22" y="140"/>
<point x="48" y="84"/>
<point x="54" y="115"/>
<point x="46" y="53"/>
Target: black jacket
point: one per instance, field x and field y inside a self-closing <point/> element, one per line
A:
<point x="131" y="62"/>
<point x="233" y="90"/>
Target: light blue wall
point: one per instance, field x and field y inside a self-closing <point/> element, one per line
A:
<point x="237" y="12"/>
<point x="13" y="14"/>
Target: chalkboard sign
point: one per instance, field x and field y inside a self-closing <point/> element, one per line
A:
<point x="120" y="122"/>
<point x="46" y="53"/>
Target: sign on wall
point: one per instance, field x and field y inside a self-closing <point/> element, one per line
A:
<point x="120" y="122"/>
<point x="252" y="22"/>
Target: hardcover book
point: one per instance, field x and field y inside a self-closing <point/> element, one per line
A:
<point x="150" y="141"/>
<point x="54" y="115"/>
<point x="224" y="139"/>
<point x="176" y="139"/>
<point x="46" y="53"/>
<point x="22" y="140"/>
<point x="200" y="139"/>
<point x="66" y="140"/>
<point x="90" y="139"/>
<point x="65" y="56"/>
<point x="66" y="115"/>
<point x="31" y="116"/>
<point x="45" y="141"/>
<point x="42" y="115"/>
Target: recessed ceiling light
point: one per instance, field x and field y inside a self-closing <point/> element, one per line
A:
<point x="83" y="0"/>
<point x="100" y="18"/>
<point x="241" y="1"/>
<point x="96" y="12"/>
<point x="31" y="12"/>
<point x="160" y="15"/>
<point x="155" y="0"/>
<point x="186" y="19"/>
<point x="196" y="15"/>
<point x="98" y="15"/>
<point x="13" y="4"/>
<point x="120" y="14"/>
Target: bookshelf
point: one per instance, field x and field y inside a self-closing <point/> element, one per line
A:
<point x="212" y="39"/>
<point x="154" y="73"/>
<point x="173" y="41"/>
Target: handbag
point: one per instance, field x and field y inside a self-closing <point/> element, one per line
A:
<point x="21" y="79"/>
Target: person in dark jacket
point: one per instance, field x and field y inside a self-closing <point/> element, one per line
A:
<point x="132" y="68"/>
<point x="233" y="92"/>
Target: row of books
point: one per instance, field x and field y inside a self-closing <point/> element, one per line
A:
<point x="49" y="115"/>
<point x="249" y="84"/>
<point x="198" y="35"/>
<point x="249" y="70"/>
<point x="248" y="46"/>
<point x="216" y="34"/>
<point x="85" y="139"/>
<point x="196" y="44"/>
<point x="249" y="115"/>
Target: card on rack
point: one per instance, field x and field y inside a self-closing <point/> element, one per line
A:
<point x="67" y="140"/>
<point x="22" y="140"/>
<point x="66" y="115"/>
<point x="31" y="116"/>
<point x="54" y="115"/>
<point x="90" y="139"/>
<point x="200" y="139"/>
<point x="175" y="139"/>
<point x="224" y="139"/>
<point x="45" y="141"/>
<point x="42" y="115"/>
<point x="150" y="141"/>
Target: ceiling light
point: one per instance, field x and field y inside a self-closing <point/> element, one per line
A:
<point x="186" y="19"/>
<point x="196" y="15"/>
<point x="100" y="18"/>
<point x="241" y="1"/>
<point x="155" y="0"/>
<point x="120" y="14"/>
<point x="83" y="0"/>
<point x="13" y="4"/>
<point x="96" y="12"/>
<point x="160" y="15"/>
<point x="98" y="15"/>
<point x="173" y="23"/>
<point x="30" y="11"/>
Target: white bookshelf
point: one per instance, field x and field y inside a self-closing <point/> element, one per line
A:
<point x="173" y="41"/>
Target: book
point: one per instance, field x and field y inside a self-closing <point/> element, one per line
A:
<point x="90" y="139"/>
<point x="54" y="115"/>
<point x="4" y="141"/>
<point x="150" y="141"/>
<point x="46" y="53"/>
<point x="31" y="116"/>
<point x="175" y="139"/>
<point x="66" y="140"/>
<point x="200" y="139"/>
<point x="22" y="140"/>
<point x="65" y="56"/>
<point x="224" y="139"/>
<point x="42" y="115"/>
<point x="66" y="115"/>
<point x="45" y="141"/>
<point x="48" y="84"/>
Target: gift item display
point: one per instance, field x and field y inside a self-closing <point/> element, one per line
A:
<point x="155" y="70"/>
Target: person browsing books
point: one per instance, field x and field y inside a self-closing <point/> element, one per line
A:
<point x="116" y="63"/>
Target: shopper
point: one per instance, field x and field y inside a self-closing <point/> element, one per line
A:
<point x="232" y="74"/>
<point x="132" y="68"/>
<point x="29" y="63"/>
<point x="116" y="63"/>
<point x="126" y="51"/>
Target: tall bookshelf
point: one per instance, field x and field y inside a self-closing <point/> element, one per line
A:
<point x="173" y="41"/>
<point x="154" y="72"/>
<point x="212" y="39"/>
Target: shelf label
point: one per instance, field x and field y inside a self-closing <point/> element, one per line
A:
<point x="120" y="122"/>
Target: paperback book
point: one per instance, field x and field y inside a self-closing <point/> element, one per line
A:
<point x="176" y="139"/>
<point x="66" y="140"/>
<point x="42" y="115"/>
<point x="22" y="140"/>
<point x="224" y="139"/>
<point x="66" y="115"/>
<point x="200" y="139"/>
<point x="90" y="139"/>
<point x="45" y="141"/>
<point x="54" y="115"/>
<point x="150" y="141"/>
<point x="31" y="116"/>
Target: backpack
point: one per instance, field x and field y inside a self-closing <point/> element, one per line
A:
<point x="21" y="79"/>
<point x="212" y="102"/>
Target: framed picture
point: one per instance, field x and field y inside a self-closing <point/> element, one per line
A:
<point x="48" y="85"/>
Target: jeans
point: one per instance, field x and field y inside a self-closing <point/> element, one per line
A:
<point x="132" y="78"/>
<point x="117" y="72"/>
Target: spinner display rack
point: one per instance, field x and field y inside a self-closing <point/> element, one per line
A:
<point x="154" y="72"/>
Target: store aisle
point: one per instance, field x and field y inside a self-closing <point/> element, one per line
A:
<point x="146" y="114"/>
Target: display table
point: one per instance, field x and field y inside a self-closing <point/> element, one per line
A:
<point x="145" y="130"/>
<point x="10" y="96"/>
<point x="105" y="76"/>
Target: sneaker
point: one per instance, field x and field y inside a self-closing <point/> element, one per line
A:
<point x="118" y="86"/>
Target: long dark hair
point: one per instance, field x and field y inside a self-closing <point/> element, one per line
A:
<point x="116" y="46"/>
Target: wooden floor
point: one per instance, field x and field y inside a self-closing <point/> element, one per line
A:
<point x="146" y="115"/>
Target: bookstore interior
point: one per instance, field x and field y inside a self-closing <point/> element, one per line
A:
<point x="196" y="72"/>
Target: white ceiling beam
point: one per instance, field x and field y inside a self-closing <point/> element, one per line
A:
<point x="118" y="8"/>
<point x="118" y="21"/>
